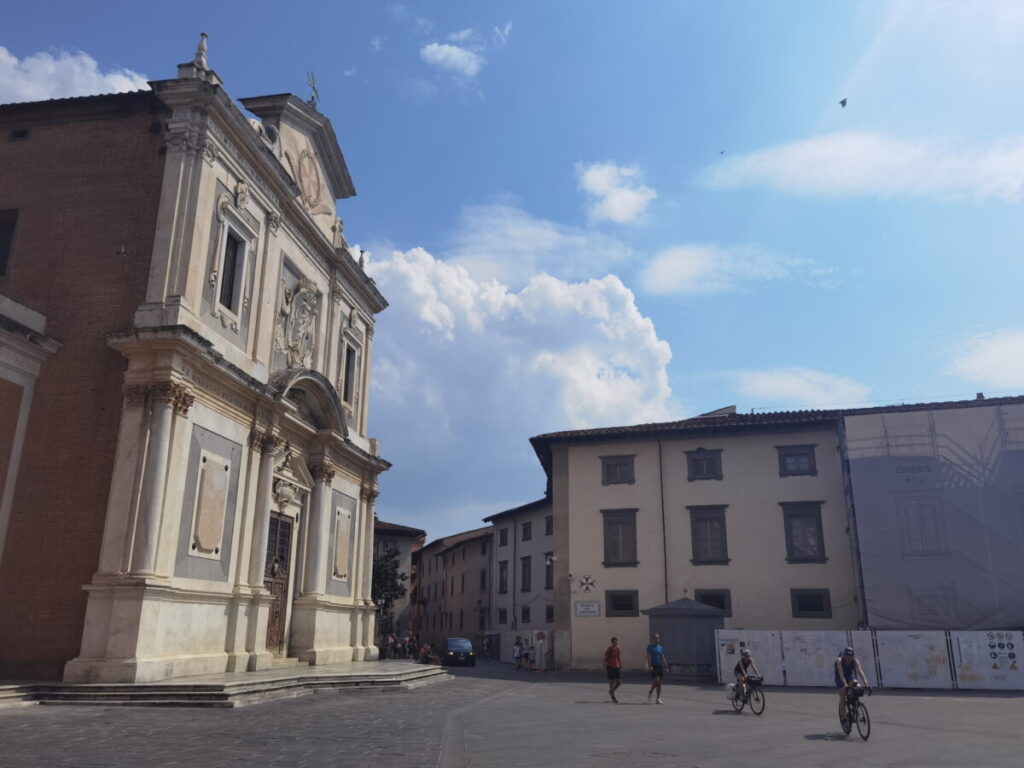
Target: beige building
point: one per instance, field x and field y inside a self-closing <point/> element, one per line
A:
<point x="454" y="587"/>
<point x="405" y="542"/>
<point x="523" y="564"/>
<point x="743" y="512"/>
<point x="193" y="342"/>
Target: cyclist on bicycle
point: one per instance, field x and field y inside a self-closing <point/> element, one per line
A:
<point x="849" y="674"/>
<point x="742" y="669"/>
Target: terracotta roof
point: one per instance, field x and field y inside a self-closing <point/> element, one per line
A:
<point x="742" y="422"/>
<point x="519" y="510"/>
<point x="448" y="542"/>
<point x="398" y="530"/>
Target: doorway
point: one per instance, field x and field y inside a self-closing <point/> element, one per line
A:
<point x="276" y="577"/>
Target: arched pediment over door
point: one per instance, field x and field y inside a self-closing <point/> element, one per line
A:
<point x="314" y="397"/>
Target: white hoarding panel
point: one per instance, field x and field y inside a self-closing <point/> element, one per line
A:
<point x="988" y="660"/>
<point x="810" y="656"/>
<point x="765" y="646"/>
<point x="861" y="642"/>
<point x="914" y="659"/>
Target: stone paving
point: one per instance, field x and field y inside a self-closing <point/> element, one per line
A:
<point x="491" y="716"/>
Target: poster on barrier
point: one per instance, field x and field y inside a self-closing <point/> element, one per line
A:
<point x="988" y="660"/>
<point x="914" y="659"/>
<point x="765" y="646"/>
<point x="860" y="639"/>
<point x="810" y="657"/>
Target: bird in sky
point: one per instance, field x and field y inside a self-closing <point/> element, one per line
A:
<point x="842" y="103"/>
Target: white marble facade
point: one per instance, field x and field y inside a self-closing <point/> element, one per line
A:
<point x="239" y="526"/>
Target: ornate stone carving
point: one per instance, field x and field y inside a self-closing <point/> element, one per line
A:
<point x="322" y="471"/>
<point x="135" y="395"/>
<point x="274" y="221"/>
<point x="264" y="442"/>
<point x="284" y="492"/>
<point x="368" y="493"/>
<point x="241" y="194"/>
<point x="178" y="396"/>
<point x="295" y="334"/>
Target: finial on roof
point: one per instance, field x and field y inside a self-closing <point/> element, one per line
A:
<point x="362" y="259"/>
<point x="200" y="59"/>
<point x="314" y="97"/>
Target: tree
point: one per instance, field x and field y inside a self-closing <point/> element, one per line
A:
<point x="388" y="585"/>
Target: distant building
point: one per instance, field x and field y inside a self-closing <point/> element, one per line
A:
<point x="406" y="542"/>
<point x="185" y="342"/>
<point x="523" y="564"/>
<point x="454" y="587"/>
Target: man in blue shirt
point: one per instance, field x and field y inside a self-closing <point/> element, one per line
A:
<point x="656" y="662"/>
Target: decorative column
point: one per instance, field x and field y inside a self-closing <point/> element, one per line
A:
<point x="369" y="494"/>
<point x="315" y="576"/>
<point x="268" y="444"/>
<point x="166" y="398"/>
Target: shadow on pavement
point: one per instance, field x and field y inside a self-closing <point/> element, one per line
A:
<point x="725" y="712"/>
<point x="826" y="737"/>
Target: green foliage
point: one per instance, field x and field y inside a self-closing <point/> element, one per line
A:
<point x="388" y="581"/>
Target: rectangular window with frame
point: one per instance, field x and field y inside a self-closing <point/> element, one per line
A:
<point x="805" y="541"/>
<point x="716" y="598"/>
<point x="483" y="579"/>
<point x="922" y="524"/>
<point x="503" y="577"/>
<point x="811" y="603"/>
<point x="525" y="614"/>
<point x="527" y="531"/>
<point x="8" y="223"/>
<point x="462" y="586"/>
<point x="525" y="574"/>
<point x="619" y="538"/>
<point x="617" y="469"/>
<point x="483" y="547"/>
<point x="796" y="460"/>
<point x="549" y="570"/>
<point x="350" y="369"/>
<point x="549" y="614"/>
<point x="549" y="525"/>
<point x="621" y="603"/>
<point x="503" y="537"/>
<point x="460" y="621"/>
<point x="232" y="269"/>
<point x="503" y="615"/>
<point x="708" y="537"/>
<point x="704" y="464"/>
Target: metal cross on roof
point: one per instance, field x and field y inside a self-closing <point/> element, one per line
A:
<point x="314" y="98"/>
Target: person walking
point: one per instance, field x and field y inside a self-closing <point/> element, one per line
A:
<point x="517" y="652"/>
<point x="613" y="666"/>
<point x="656" y="662"/>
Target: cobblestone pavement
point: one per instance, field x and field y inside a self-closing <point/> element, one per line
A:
<point x="490" y="716"/>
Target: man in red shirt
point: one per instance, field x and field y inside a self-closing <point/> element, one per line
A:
<point x="613" y="665"/>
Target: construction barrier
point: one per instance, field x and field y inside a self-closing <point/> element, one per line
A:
<point x="982" y="660"/>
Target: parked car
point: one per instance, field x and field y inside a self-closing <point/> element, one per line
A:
<point x="458" y="651"/>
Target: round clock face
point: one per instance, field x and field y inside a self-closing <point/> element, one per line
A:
<point x="309" y="178"/>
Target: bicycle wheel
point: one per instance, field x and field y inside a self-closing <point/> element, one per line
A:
<point x="738" y="701"/>
<point x="863" y="721"/>
<point x="757" y="701"/>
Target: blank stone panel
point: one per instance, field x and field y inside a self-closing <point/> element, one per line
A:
<point x="211" y="504"/>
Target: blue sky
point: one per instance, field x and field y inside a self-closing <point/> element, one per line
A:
<point x="597" y="213"/>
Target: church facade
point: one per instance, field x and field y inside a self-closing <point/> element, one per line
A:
<point x="185" y="347"/>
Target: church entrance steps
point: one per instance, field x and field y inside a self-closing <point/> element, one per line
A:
<point x="233" y="689"/>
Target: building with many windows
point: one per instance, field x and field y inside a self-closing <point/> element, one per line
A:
<point x="186" y="481"/>
<point x="897" y="517"/>
<point x="524" y="566"/>
<point x="405" y="542"/>
<point x="454" y="587"/>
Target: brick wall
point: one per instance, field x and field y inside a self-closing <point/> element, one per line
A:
<point x="83" y="188"/>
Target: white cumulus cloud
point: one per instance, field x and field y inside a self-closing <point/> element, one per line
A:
<point x="61" y="74"/>
<point x="800" y="388"/>
<point x="506" y="243"/>
<point x="487" y="358"/>
<point x="869" y="163"/>
<point x="453" y="60"/>
<point x="992" y="360"/>
<point x="616" y="192"/>
<point x="710" y="268"/>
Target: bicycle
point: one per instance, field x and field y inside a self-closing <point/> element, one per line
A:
<point x="856" y="712"/>
<point x="750" y="694"/>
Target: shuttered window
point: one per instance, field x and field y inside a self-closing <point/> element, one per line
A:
<point x="619" y="537"/>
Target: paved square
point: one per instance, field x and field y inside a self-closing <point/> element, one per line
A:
<point x="490" y="716"/>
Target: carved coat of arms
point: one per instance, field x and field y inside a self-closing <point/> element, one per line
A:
<point x="295" y="335"/>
